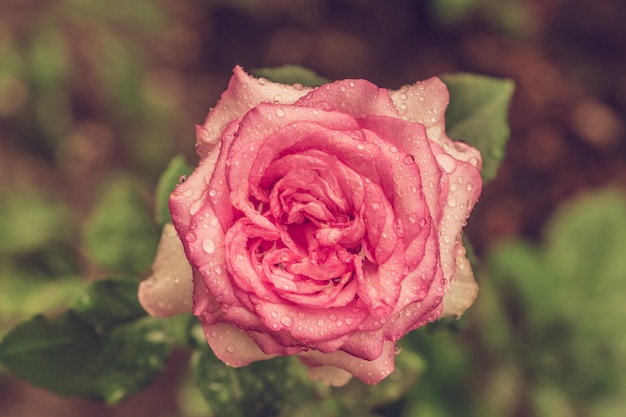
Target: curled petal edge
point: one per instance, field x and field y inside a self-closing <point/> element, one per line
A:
<point x="463" y="290"/>
<point x="168" y="290"/>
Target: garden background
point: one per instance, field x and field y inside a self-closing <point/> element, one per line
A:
<point x="97" y="97"/>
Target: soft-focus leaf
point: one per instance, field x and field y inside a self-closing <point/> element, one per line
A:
<point x="85" y="352"/>
<point x="119" y="234"/>
<point x="29" y="220"/>
<point x="564" y="300"/>
<point x="258" y="389"/>
<point x="478" y="115"/>
<point x="291" y="74"/>
<point x="174" y="173"/>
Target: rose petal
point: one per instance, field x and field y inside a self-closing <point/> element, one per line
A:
<point x="424" y="102"/>
<point x="330" y="375"/>
<point x="463" y="291"/>
<point x="358" y="98"/>
<point x="233" y="346"/>
<point x="370" y="372"/>
<point x="243" y="94"/>
<point x="168" y="290"/>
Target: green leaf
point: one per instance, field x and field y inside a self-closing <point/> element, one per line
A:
<point x="258" y="389"/>
<point x="172" y="176"/>
<point x="119" y="234"/>
<point x="30" y="220"/>
<point x="564" y="299"/>
<point x="85" y="352"/>
<point x="478" y="115"/>
<point x="108" y="303"/>
<point x="291" y="74"/>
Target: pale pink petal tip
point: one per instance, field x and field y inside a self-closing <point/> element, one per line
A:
<point x="168" y="290"/>
<point x="233" y="346"/>
<point x="330" y="375"/>
<point x="464" y="289"/>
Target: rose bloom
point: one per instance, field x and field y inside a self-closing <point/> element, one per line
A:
<point x="320" y="222"/>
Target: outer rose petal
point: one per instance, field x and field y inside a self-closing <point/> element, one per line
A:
<point x="244" y="92"/>
<point x="464" y="289"/>
<point x="232" y="346"/>
<point x="330" y="375"/>
<point x="425" y="102"/>
<point x="168" y="290"/>
<point x="370" y="372"/>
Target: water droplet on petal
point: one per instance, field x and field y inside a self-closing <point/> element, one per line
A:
<point x="280" y="112"/>
<point x="230" y="348"/>
<point x="409" y="160"/>
<point x="208" y="245"/>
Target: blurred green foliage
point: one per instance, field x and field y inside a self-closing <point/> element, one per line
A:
<point x="120" y="235"/>
<point x="512" y="16"/>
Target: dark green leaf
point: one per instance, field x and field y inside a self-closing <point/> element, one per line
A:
<point x="174" y="173"/>
<point x="478" y="115"/>
<point x="291" y="74"/>
<point x="258" y="389"/>
<point x="87" y="352"/>
<point x="107" y="303"/>
<point x="70" y="357"/>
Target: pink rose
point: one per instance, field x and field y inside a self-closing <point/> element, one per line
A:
<point x="324" y="223"/>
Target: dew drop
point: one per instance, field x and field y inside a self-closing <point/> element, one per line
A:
<point x="375" y="205"/>
<point x="452" y="202"/>
<point x="208" y="245"/>
<point x="230" y="348"/>
<point x="212" y="192"/>
<point x="469" y="187"/>
<point x="409" y="160"/>
<point x="360" y="146"/>
<point x="413" y="218"/>
<point x="191" y="237"/>
<point x="280" y="112"/>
